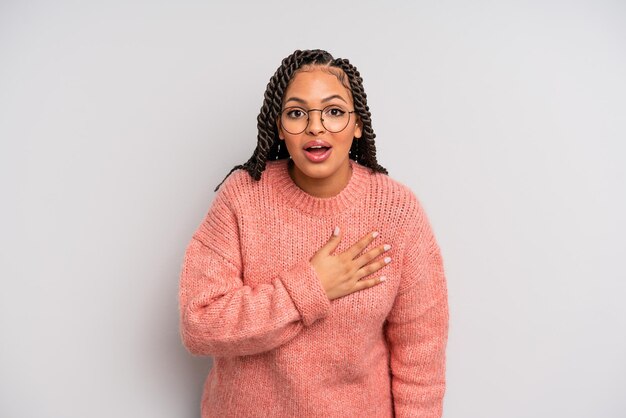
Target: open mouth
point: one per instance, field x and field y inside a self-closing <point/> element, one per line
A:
<point x="317" y="153"/>
<point x="317" y="149"/>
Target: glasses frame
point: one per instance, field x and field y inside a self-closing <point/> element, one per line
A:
<point x="308" y="118"/>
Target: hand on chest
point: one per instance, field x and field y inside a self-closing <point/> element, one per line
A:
<point x="276" y="246"/>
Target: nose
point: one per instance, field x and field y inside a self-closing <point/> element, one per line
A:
<point x="315" y="122"/>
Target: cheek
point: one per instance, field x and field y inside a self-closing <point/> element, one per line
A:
<point x="347" y="136"/>
<point x="291" y="142"/>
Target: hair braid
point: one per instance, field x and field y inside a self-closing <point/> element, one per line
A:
<point x="363" y="150"/>
<point x="365" y="146"/>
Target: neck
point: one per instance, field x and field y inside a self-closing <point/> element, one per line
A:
<point x="324" y="187"/>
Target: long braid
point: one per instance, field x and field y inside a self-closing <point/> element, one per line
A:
<point x="363" y="150"/>
<point x="365" y="147"/>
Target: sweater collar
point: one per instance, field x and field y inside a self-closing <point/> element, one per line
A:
<point x="351" y="194"/>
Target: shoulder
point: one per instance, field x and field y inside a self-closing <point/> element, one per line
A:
<point x="235" y="181"/>
<point x="407" y="214"/>
<point x="397" y="195"/>
<point x="241" y="190"/>
<point x="241" y="178"/>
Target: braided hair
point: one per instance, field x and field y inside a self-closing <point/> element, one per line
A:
<point x="363" y="150"/>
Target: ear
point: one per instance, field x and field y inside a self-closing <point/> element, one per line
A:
<point x="358" y="128"/>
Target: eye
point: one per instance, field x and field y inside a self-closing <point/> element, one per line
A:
<point x="334" y="112"/>
<point x="295" y="113"/>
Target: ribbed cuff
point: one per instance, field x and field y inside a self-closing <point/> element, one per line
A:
<point x="306" y="291"/>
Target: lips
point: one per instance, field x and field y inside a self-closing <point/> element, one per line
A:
<point x="317" y="151"/>
<point x="316" y="144"/>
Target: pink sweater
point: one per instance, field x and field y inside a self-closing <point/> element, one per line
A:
<point x="250" y="298"/>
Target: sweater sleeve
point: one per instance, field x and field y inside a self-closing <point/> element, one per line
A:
<point x="417" y="325"/>
<point x="219" y="315"/>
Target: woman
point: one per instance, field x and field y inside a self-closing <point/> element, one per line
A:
<point x="315" y="280"/>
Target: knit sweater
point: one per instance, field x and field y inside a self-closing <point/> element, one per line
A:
<point x="250" y="298"/>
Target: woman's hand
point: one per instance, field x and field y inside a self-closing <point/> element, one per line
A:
<point x="340" y="273"/>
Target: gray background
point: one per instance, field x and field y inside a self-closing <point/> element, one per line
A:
<point x="119" y="118"/>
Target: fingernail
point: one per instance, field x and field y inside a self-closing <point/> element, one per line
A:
<point x="387" y="260"/>
<point x="336" y="231"/>
<point x="382" y="278"/>
<point x="387" y="247"/>
<point x="375" y="234"/>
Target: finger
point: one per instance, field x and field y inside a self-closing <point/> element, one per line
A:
<point x="371" y="254"/>
<point x="365" y="284"/>
<point x="358" y="246"/>
<point x="372" y="267"/>
<point x="333" y="241"/>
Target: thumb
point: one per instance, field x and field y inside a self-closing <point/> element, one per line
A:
<point x="333" y="241"/>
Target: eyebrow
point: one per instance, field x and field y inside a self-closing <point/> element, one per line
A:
<point x="334" y="96"/>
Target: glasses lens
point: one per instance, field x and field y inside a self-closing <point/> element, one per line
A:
<point x="335" y="118"/>
<point x="294" y="120"/>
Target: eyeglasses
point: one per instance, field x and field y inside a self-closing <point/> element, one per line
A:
<point x="334" y="118"/>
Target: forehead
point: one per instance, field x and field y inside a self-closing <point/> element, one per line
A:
<point x="316" y="84"/>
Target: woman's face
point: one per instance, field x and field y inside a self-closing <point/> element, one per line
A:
<point x="318" y="89"/>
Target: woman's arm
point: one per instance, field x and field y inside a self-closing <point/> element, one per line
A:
<point x="417" y="326"/>
<point x="219" y="315"/>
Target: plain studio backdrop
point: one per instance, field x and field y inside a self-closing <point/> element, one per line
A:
<point x="119" y="118"/>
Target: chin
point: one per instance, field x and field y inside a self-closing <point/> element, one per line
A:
<point x="319" y="170"/>
<point x="315" y="170"/>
